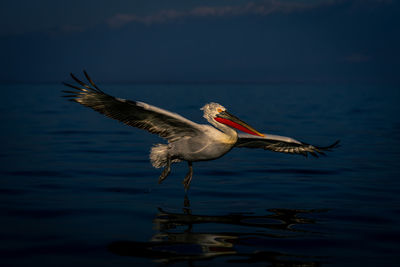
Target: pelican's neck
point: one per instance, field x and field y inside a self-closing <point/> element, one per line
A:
<point x="228" y="131"/>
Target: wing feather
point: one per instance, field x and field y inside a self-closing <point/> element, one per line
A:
<point x="168" y="125"/>
<point x="282" y="144"/>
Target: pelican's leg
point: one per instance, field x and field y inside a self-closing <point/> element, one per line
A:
<point x="188" y="177"/>
<point x="166" y="171"/>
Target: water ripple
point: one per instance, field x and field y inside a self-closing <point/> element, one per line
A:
<point x="36" y="173"/>
<point x="124" y="190"/>
<point x="87" y="132"/>
<point x="297" y="171"/>
<point x="12" y="191"/>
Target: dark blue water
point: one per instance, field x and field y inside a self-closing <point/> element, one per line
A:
<point x="77" y="188"/>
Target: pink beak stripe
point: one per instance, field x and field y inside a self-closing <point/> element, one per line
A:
<point x="235" y="125"/>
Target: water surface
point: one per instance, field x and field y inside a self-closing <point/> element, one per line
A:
<point x="77" y="188"/>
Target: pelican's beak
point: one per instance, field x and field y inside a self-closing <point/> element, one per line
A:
<point x="232" y="121"/>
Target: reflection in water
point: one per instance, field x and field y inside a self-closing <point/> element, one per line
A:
<point x="258" y="240"/>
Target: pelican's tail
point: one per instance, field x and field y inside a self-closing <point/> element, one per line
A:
<point x="159" y="156"/>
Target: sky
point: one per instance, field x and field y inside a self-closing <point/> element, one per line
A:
<point x="201" y="41"/>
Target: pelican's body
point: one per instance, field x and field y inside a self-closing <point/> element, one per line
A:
<point x="187" y="140"/>
<point x="210" y="144"/>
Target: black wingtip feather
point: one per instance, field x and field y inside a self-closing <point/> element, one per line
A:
<point x="72" y="86"/>
<point x="330" y="147"/>
<point x="84" y="85"/>
<point x="79" y="81"/>
<point x="334" y="145"/>
<point x="91" y="81"/>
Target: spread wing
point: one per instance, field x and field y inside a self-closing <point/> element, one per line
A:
<point x="281" y="144"/>
<point x="168" y="125"/>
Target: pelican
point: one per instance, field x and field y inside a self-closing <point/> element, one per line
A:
<point x="187" y="140"/>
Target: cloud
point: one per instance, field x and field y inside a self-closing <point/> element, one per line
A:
<point x="260" y="8"/>
<point x="121" y="19"/>
<point x="265" y="7"/>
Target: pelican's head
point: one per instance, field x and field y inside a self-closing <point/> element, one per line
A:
<point x="217" y="114"/>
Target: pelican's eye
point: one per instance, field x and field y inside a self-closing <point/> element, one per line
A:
<point x="219" y="110"/>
